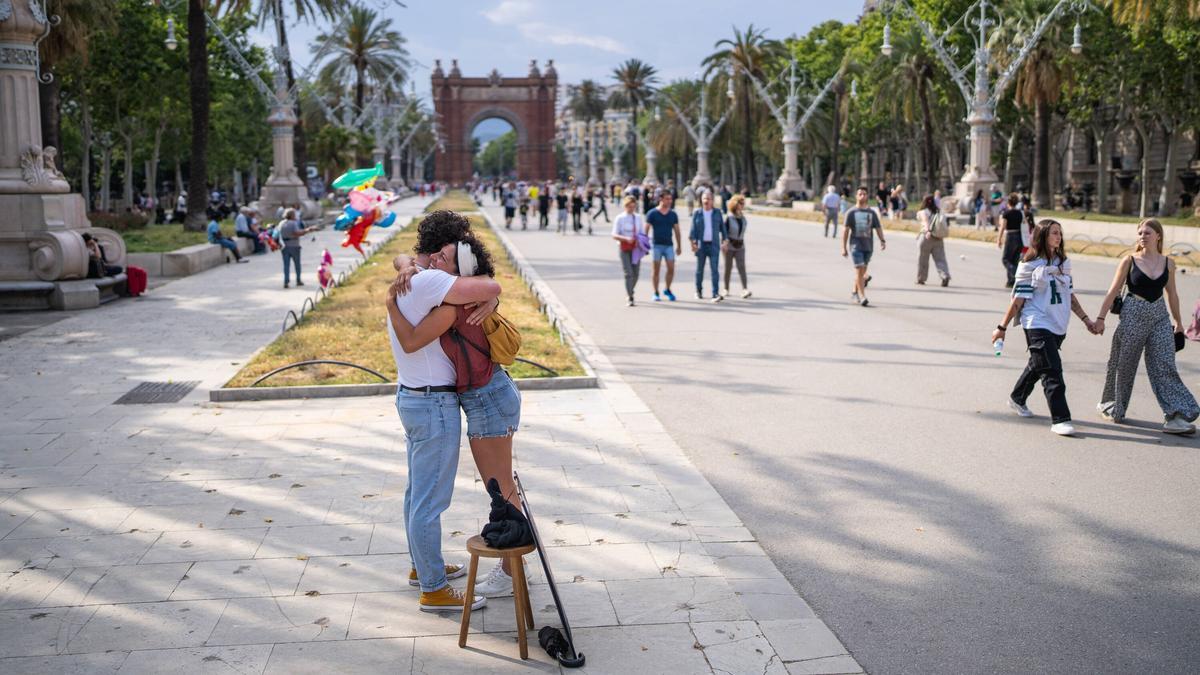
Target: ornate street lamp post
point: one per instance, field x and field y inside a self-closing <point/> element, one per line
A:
<point x="791" y="123"/>
<point x="981" y="97"/>
<point x="702" y="132"/>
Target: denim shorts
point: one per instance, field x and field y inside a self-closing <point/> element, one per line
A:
<point x="493" y="410"/>
<point x="860" y="257"/>
<point x="664" y="251"/>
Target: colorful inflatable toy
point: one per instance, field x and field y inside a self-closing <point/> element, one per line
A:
<point x="366" y="207"/>
<point x="325" y="271"/>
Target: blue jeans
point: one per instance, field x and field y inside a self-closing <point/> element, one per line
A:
<point x="433" y="428"/>
<point x="293" y="255"/>
<point x="710" y="252"/>
<point x="230" y="244"/>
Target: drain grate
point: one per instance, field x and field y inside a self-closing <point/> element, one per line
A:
<point x="157" y="392"/>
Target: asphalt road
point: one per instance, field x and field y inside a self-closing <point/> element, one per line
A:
<point x="871" y="452"/>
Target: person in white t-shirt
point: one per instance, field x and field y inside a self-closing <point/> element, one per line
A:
<point x="832" y="204"/>
<point x="428" y="404"/>
<point x="1043" y="300"/>
<point x="625" y="230"/>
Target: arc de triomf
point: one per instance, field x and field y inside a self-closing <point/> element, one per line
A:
<point x="527" y="103"/>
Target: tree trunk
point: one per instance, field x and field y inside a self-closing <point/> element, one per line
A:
<point x="749" y="175"/>
<point x="1009" y="149"/>
<point x="927" y="127"/>
<point x="50" y="100"/>
<point x="1166" y="196"/>
<point x="105" y="178"/>
<point x="635" y="170"/>
<point x="155" y="154"/>
<point x="85" y="163"/>
<point x="1041" y="156"/>
<point x="197" y="202"/>
<point x="178" y="182"/>
<point x="360" y="87"/>
<point x="1101" y="136"/>
<point x="127" y="179"/>
<point x="1145" y="135"/>
<point x="832" y="178"/>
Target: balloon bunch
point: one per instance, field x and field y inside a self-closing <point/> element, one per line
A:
<point x="366" y="207"/>
<point x="325" y="271"/>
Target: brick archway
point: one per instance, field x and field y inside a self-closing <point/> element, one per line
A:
<point x="527" y="103"/>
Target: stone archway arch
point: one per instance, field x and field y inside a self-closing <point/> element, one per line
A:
<point x="527" y="103"/>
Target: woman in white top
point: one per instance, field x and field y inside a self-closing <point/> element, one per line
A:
<point x="1043" y="299"/>
<point x="625" y="229"/>
<point x="929" y="245"/>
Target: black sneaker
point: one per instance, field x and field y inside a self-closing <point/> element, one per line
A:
<point x="867" y="281"/>
<point x="945" y="282"/>
<point x="864" y="302"/>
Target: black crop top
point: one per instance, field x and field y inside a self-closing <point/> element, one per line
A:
<point x="1141" y="285"/>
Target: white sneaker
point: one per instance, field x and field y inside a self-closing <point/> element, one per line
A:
<point x="1178" y="425"/>
<point x="698" y="296"/>
<point x="496" y="584"/>
<point x="1105" y="410"/>
<point x="1021" y="410"/>
<point x="746" y="294"/>
<point x="1063" y="429"/>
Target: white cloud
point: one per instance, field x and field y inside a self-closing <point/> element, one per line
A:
<point x="514" y="13"/>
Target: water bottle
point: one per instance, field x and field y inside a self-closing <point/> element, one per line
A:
<point x="998" y="346"/>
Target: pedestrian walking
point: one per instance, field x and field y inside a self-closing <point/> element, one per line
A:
<point x="980" y="210"/>
<point x="997" y="206"/>
<point x="662" y="224"/>
<point x="726" y="194"/>
<point x="932" y="241"/>
<point x="544" y="208"/>
<point x="510" y="206"/>
<point x="858" y="242"/>
<point x="883" y="196"/>
<point x="1043" y="300"/>
<point x="601" y="210"/>
<point x="577" y="209"/>
<point x="1010" y="242"/>
<point x="689" y="198"/>
<point x="1148" y="323"/>
<point x="832" y="203"/>
<point x="290" y="232"/>
<point x="560" y="201"/>
<point x="734" y="246"/>
<point x="625" y="231"/>
<point x="707" y="226"/>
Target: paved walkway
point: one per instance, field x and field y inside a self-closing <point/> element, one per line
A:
<point x="871" y="453"/>
<point x="267" y="537"/>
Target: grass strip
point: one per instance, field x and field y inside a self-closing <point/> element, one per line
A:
<point x="164" y="238"/>
<point x="349" y="325"/>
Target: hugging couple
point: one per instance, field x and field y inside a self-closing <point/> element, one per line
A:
<point x="436" y="307"/>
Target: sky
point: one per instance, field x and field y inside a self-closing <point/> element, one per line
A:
<point x="585" y="39"/>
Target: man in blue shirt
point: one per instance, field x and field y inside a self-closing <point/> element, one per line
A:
<point x="215" y="237"/>
<point x="664" y="223"/>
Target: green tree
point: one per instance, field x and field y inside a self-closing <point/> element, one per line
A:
<point x="499" y="157"/>
<point x="1146" y="11"/>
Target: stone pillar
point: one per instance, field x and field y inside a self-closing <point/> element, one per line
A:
<point x="378" y="157"/>
<point x="283" y="186"/>
<point x="979" y="174"/>
<point x="397" y="178"/>
<point x="651" y="165"/>
<point x="43" y="259"/>
<point x="702" y="177"/>
<point x="790" y="181"/>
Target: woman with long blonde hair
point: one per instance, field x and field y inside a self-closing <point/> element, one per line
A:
<point x="1150" y="324"/>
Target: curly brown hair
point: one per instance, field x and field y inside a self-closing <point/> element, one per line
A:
<point x="439" y="228"/>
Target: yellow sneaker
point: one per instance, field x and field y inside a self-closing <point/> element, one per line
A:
<point x="452" y="572"/>
<point x="446" y="599"/>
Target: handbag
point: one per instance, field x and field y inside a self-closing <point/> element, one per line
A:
<point x="503" y="338"/>
<point x="1179" y="341"/>
<point x="1118" y="302"/>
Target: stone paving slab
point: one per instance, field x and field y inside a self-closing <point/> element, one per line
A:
<point x="267" y="536"/>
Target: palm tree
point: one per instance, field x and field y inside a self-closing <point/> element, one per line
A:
<point x="1039" y="83"/>
<point x="367" y="46"/>
<point x="1144" y="11"/>
<point x="636" y="79"/>
<point x="748" y="54"/>
<point x="587" y="104"/>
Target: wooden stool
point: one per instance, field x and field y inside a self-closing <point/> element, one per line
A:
<point x="477" y="547"/>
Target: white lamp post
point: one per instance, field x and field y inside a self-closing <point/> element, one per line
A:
<point x="981" y="97"/>
<point x="702" y="132"/>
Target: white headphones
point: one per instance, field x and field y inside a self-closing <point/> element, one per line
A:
<point x="467" y="262"/>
